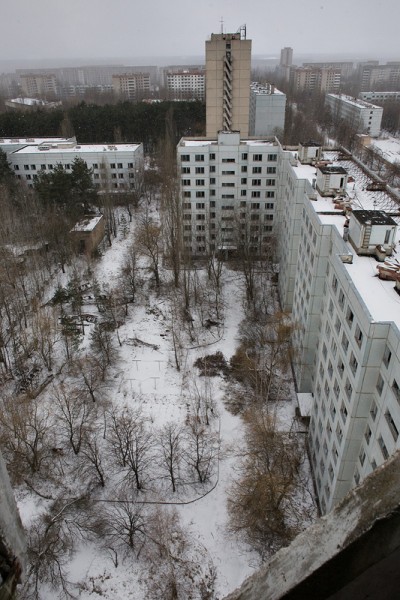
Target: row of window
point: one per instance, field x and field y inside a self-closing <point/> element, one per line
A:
<point x="244" y="156"/>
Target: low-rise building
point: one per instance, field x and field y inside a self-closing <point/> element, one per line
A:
<point x="87" y="234"/>
<point x="380" y="97"/>
<point x="114" y="166"/>
<point x="363" y="116"/>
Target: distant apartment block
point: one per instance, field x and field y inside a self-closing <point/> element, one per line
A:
<point x="185" y="84"/>
<point x="131" y="86"/>
<point x="267" y="110"/>
<point x="380" y="97"/>
<point x="114" y="166"/>
<point x="315" y="79"/>
<point x="373" y="76"/>
<point x="23" y="104"/>
<point x="228" y="68"/>
<point x="363" y="116"/>
<point x="346" y="67"/>
<point x="38" y="84"/>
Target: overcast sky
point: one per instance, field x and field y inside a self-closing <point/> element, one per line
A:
<point x="43" y="29"/>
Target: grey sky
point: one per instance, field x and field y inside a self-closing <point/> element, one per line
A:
<point x="38" y="29"/>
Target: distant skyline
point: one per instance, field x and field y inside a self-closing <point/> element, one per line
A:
<point x="51" y="29"/>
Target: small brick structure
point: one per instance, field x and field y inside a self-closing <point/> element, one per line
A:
<point x="87" y="234"/>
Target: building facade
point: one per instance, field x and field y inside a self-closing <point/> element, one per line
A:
<point x="380" y="97"/>
<point x="372" y="76"/>
<point x="363" y="116"/>
<point x="39" y="84"/>
<point x="228" y="190"/>
<point x="185" y="84"/>
<point x="228" y="69"/>
<point x="131" y="86"/>
<point x="113" y="166"/>
<point x="267" y="110"/>
<point x="315" y="79"/>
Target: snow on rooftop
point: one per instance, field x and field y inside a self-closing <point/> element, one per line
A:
<point x="87" y="224"/>
<point x="188" y="142"/>
<point x="77" y="149"/>
<point x="355" y="101"/>
<point x="33" y="141"/>
<point x="380" y="297"/>
<point x="388" y="148"/>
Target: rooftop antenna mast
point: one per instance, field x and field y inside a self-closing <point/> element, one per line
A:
<point x="242" y="31"/>
<point x="222" y="24"/>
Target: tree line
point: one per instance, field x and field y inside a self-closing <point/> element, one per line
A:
<point x="111" y="123"/>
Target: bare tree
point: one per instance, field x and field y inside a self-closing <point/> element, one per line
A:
<point x="132" y="444"/>
<point x="26" y="429"/>
<point x="149" y="243"/>
<point x="122" y="526"/>
<point x="201" y="449"/>
<point x="103" y="347"/>
<point x="92" y="458"/>
<point x="75" y="414"/>
<point x="267" y="501"/>
<point x="170" y="450"/>
<point x="45" y="334"/>
<point x="178" y="567"/>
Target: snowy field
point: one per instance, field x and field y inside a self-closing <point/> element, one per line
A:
<point x="145" y="376"/>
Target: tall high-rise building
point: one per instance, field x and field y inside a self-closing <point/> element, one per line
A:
<point x="228" y="67"/>
<point x="286" y="57"/>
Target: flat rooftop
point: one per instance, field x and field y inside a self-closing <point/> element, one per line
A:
<point x="354" y="101"/>
<point x="77" y="149"/>
<point x="379" y="296"/>
<point x="188" y="142"/>
<point x="33" y="141"/>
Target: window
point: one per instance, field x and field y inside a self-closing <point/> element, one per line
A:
<point x="33" y="167"/>
<point x="387" y="355"/>
<point x="201" y="217"/>
<point x="43" y="167"/>
<point x="336" y="388"/>
<point x="272" y="157"/>
<point x="256" y="182"/>
<point x="212" y="169"/>
<point x="373" y="411"/>
<point x="130" y="166"/>
<point x="244" y="155"/>
<point x="349" y="317"/>
<point x="187" y="217"/>
<point x="383" y="448"/>
<point x="368" y="434"/>
<point x="16" y="167"/>
<point x="255" y="206"/>
<point x="396" y="390"/>
<point x="29" y="177"/>
<point x="50" y="167"/>
<point x="68" y="166"/>
<point x="340" y="367"/>
<point x="257" y="157"/>
<point x="199" y="181"/>
<point x="200" y="205"/>
<point x="339" y="433"/>
<point x="119" y="165"/>
<point x="185" y="170"/>
<point x="243" y="181"/>
<point x="255" y="194"/>
<point x="345" y="342"/>
<point x="228" y="160"/>
<point x="185" y="181"/>
<point x="269" y="205"/>
<point x="199" y="158"/>
<point x="228" y="184"/>
<point x="271" y="170"/>
<point x="341" y="299"/>
<point x="212" y="180"/>
<point x="212" y="192"/>
<point x="212" y="204"/>
<point x="113" y="176"/>
<point x="353" y="363"/>
<point x="267" y="227"/>
<point x="186" y="157"/>
<point x="343" y="412"/>
<point x="334" y="283"/>
<point x="256" y="170"/>
<point x="187" y="205"/>
<point x="212" y="156"/>
<point x="358" y="336"/>
<point x="338" y="325"/>
<point x="200" y="194"/>
<point x="270" y="182"/>
<point x="244" y="169"/>
<point x="26" y="167"/>
<point x="120" y="175"/>
<point x="348" y="388"/>
<point x="362" y="457"/>
<point x="330" y="472"/>
<point x="270" y="194"/>
<point x="243" y="192"/>
<point x="112" y="165"/>
<point x="392" y="425"/>
<point x="380" y="384"/>
<point x="199" y="170"/>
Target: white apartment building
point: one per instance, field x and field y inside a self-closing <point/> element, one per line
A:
<point x="363" y="116"/>
<point x="132" y="86"/>
<point x="348" y="339"/>
<point x="267" y="110"/>
<point x="228" y="189"/>
<point x="114" y="166"/>
<point x="380" y="96"/>
<point x="9" y="145"/>
<point x="186" y="84"/>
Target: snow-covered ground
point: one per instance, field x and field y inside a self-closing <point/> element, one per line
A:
<point x="146" y="373"/>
